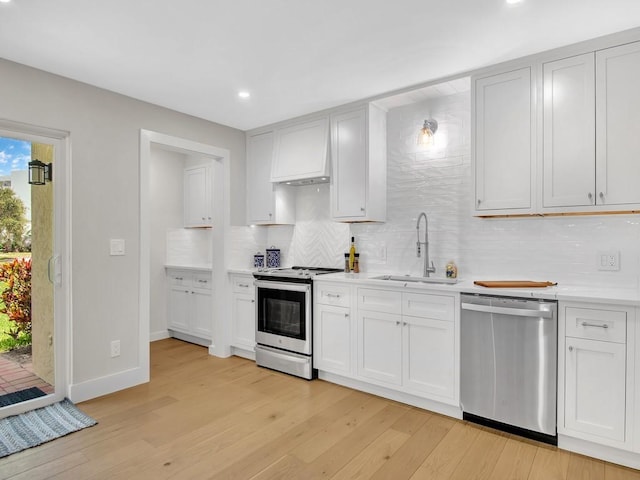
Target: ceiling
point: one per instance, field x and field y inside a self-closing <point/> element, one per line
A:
<point x="294" y="56"/>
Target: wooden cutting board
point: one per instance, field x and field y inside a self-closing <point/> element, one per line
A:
<point x="513" y="284"/>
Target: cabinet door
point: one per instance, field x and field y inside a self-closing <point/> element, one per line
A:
<point x="429" y="356"/>
<point x="380" y="347"/>
<point x="244" y="321"/>
<point x="569" y="132"/>
<point x="197" y="197"/>
<point x="617" y="117"/>
<point x="503" y="149"/>
<point x="260" y="191"/>
<point x="349" y="164"/>
<point x="595" y="388"/>
<point x="201" y="313"/>
<point x="178" y="308"/>
<point x="332" y="339"/>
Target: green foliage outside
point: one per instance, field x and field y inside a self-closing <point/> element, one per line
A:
<point x="15" y="303"/>
<point x="13" y="236"/>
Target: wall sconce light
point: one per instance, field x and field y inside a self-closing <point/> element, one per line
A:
<point x="425" y="136"/>
<point x="39" y="172"/>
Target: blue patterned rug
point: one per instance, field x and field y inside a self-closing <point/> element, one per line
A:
<point x="41" y="425"/>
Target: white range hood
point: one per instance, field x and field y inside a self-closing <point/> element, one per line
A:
<point x="301" y="153"/>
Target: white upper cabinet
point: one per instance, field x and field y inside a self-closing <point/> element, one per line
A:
<point x="300" y="151"/>
<point x="590" y="149"/>
<point x="267" y="203"/>
<point x="359" y="165"/>
<point x="504" y="151"/>
<point x="197" y="197"/>
<point x="569" y="132"/>
<point x="617" y="120"/>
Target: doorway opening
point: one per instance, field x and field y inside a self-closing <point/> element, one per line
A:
<point x="33" y="294"/>
<point x="178" y="152"/>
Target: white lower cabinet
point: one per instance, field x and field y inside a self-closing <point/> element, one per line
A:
<point x="380" y="346"/>
<point x="595" y="377"/>
<point x="429" y="361"/>
<point x="243" y="312"/>
<point x="407" y="341"/>
<point x="332" y="329"/>
<point x="190" y="307"/>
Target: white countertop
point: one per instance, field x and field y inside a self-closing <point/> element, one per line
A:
<point x="591" y="294"/>
<point x="203" y="267"/>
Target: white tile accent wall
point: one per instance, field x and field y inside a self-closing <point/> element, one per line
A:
<point x="438" y="181"/>
<point x="189" y="246"/>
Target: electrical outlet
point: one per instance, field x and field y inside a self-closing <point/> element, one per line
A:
<point x="115" y="348"/>
<point x="609" y="260"/>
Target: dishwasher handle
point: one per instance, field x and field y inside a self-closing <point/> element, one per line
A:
<point x="518" y="312"/>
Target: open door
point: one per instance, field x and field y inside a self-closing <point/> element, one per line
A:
<point x="38" y="376"/>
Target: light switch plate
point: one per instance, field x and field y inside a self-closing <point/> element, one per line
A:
<point x="116" y="246"/>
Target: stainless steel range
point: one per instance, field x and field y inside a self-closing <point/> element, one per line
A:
<point x="284" y="324"/>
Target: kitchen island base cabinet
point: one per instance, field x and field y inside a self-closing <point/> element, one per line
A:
<point x="189" y="306"/>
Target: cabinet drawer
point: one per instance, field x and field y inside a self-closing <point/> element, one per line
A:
<point x="379" y="300"/>
<point x="243" y="285"/>
<point x="438" y="307"/>
<point x="596" y="324"/>
<point x="338" y="295"/>
<point x="202" y="281"/>
<point x="176" y="278"/>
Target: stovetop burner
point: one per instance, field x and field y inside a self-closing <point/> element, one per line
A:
<point x="295" y="272"/>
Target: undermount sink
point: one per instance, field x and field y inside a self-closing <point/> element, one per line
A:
<point x="408" y="278"/>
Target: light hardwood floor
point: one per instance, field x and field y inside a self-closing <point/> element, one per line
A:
<point x="203" y="417"/>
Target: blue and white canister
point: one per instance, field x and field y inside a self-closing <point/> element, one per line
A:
<point x="273" y="257"/>
<point x="258" y="260"/>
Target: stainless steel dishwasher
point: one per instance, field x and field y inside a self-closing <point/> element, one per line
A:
<point x="508" y="366"/>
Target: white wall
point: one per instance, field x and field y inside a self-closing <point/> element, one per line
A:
<point x="105" y="130"/>
<point x="166" y="193"/>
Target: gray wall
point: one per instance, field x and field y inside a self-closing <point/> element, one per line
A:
<point x="105" y="129"/>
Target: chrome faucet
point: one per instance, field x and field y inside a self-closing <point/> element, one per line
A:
<point x="427" y="269"/>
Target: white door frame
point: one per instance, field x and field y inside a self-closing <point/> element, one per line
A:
<point x="220" y="345"/>
<point x="62" y="340"/>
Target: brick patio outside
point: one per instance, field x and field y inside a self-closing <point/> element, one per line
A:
<point x="15" y="377"/>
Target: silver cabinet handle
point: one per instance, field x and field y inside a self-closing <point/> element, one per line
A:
<point x="479" y="201"/>
<point x="601" y="195"/>
<point x="362" y="209"/>
<point x="590" y="196"/>
<point x="405" y="324"/>
<point x="398" y="322"/>
<point x="333" y="295"/>
<point x="203" y="281"/>
<point x="243" y="285"/>
<point x="587" y="324"/>
<point x="253" y="301"/>
<point x="346" y="315"/>
<point x="570" y="348"/>
<point x="179" y="278"/>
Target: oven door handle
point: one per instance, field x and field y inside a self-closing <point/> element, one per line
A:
<point x="291" y="287"/>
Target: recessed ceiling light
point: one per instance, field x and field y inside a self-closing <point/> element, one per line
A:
<point x="513" y="2"/>
<point x="5" y="1"/>
<point x="244" y="94"/>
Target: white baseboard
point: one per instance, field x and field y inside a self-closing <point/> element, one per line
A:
<point x="98" y="387"/>
<point x="159" y="335"/>
<point x="431" y="405"/>
<point x="602" y="452"/>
